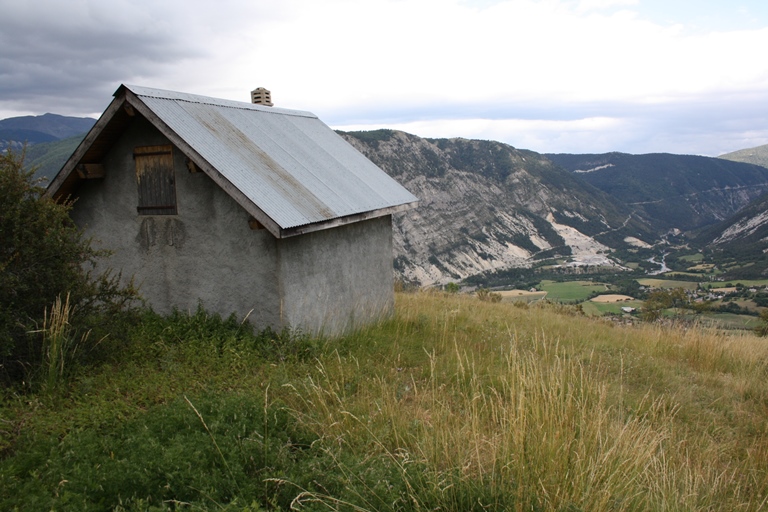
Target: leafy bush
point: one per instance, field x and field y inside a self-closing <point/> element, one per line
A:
<point x="234" y="444"/>
<point x="209" y="335"/>
<point x="452" y="288"/>
<point x="486" y="295"/>
<point x="43" y="255"/>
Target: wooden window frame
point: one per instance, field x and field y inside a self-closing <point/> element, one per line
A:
<point x="155" y="180"/>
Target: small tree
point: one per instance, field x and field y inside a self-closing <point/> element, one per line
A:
<point x="486" y="295"/>
<point x="656" y="302"/>
<point x="659" y="300"/>
<point x="762" y="329"/>
<point x="43" y="255"/>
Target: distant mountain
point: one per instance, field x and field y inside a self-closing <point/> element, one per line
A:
<point x="54" y="125"/>
<point x="741" y="240"/>
<point x="485" y="205"/>
<point x="682" y="192"/>
<point x="49" y="139"/>
<point x="757" y="156"/>
<point x="21" y="135"/>
<point x="27" y="131"/>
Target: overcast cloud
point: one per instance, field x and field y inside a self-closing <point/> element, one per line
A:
<point x="549" y="75"/>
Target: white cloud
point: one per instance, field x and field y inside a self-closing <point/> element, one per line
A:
<point x="524" y="71"/>
<point x="589" y="5"/>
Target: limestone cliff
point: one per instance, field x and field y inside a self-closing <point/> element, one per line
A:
<point x="485" y="205"/>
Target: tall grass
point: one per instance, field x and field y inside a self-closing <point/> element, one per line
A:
<point x="454" y="404"/>
<point x="515" y="418"/>
<point x="60" y="345"/>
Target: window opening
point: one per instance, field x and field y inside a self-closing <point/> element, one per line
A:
<point x="155" y="180"/>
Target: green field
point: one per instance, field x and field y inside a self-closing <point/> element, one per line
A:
<point x="693" y="258"/>
<point x="744" y="282"/>
<point x="571" y="291"/>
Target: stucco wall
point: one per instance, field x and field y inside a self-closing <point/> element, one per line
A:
<point x="327" y="281"/>
<point x="206" y="254"/>
<point x="337" y="279"/>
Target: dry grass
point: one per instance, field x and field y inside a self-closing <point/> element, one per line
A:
<point x="454" y="404"/>
<point x="541" y="409"/>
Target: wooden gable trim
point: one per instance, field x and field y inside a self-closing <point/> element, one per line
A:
<point x="90" y="171"/>
<point x="63" y="184"/>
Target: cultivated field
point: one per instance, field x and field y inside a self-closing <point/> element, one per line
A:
<point x="521" y="295"/>
<point x="668" y="283"/>
<point x="571" y="291"/>
<point x="612" y="298"/>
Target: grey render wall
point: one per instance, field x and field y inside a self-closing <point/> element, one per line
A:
<point x="338" y="279"/>
<point x="327" y="281"/>
<point x="206" y="254"/>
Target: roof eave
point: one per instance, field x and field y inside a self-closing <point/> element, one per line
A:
<point x="349" y="219"/>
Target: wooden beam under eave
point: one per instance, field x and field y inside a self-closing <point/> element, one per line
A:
<point x="90" y="171"/>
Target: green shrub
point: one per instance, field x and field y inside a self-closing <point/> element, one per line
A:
<point x="43" y="255"/>
<point x="209" y="335"/>
<point x="485" y="295"/>
<point x="207" y="452"/>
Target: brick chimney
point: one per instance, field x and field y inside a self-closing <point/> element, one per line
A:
<point x="261" y="96"/>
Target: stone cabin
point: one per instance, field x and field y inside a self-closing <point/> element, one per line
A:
<point x="244" y="208"/>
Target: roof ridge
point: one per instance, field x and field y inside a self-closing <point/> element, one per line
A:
<point x="165" y="94"/>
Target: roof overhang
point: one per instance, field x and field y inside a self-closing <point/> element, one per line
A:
<point x="116" y="118"/>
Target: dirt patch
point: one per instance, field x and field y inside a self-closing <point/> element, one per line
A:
<point x="612" y="298"/>
<point x="524" y="295"/>
<point x="722" y="290"/>
<point x="519" y="293"/>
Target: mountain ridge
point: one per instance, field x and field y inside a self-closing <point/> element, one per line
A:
<point x="489" y="207"/>
<point x="757" y="155"/>
<point x="684" y="192"/>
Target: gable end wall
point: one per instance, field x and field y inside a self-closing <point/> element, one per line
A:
<point x="206" y="254"/>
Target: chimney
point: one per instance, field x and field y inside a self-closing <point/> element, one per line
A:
<point x="261" y="96"/>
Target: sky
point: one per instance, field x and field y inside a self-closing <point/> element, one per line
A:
<point x="552" y="76"/>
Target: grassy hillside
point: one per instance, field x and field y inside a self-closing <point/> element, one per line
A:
<point x="455" y="404"/>
<point x="757" y="156"/>
<point x="48" y="157"/>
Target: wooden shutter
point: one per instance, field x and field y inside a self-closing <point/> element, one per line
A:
<point x="154" y="177"/>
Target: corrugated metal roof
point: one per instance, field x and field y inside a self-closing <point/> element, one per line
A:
<point x="290" y="164"/>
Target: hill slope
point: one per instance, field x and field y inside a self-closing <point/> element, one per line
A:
<point x="757" y="156"/>
<point x="682" y="192"/>
<point x="48" y="157"/>
<point x="487" y="206"/>
<point x="741" y="242"/>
